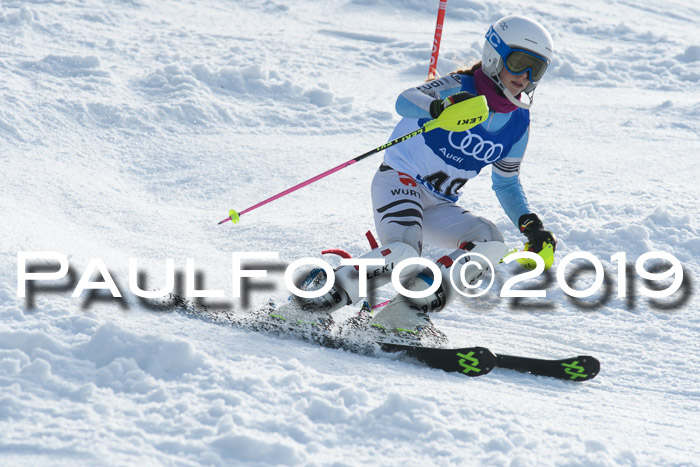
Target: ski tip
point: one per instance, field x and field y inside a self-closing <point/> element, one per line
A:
<point x="469" y="361"/>
<point x="576" y="369"/>
<point x="592" y="364"/>
<point x="478" y="361"/>
<point x="581" y="368"/>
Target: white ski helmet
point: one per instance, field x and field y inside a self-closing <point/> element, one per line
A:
<point x="520" y="45"/>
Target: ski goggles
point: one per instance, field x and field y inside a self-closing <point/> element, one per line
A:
<point x="518" y="61"/>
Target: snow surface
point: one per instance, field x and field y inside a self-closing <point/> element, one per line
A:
<point x="129" y="128"/>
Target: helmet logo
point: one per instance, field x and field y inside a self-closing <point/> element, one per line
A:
<point x="493" y="38"/>
<point x="504" y="26"/>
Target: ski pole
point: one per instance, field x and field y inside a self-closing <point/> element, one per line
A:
<point x="432" y="71"/>
<point x="456" y="117"/>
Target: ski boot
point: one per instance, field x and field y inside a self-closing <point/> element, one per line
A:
<point x="408" y="316"/>
<point x="346" y="288"/>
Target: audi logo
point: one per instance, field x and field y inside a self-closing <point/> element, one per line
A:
<point x="474" y="146"/>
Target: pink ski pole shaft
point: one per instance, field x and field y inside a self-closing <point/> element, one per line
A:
<point x="233" y="215"/>
<point x="457" y="117"/>
<point x="294" y="188"/>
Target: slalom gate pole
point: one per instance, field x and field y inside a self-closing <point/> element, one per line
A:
<point x="432" y="71"/>
<point x="457" y="117"/>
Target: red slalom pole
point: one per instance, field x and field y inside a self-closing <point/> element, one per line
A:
<point x="432" y="72"/>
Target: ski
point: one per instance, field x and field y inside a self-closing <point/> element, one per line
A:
<point x="581" y="368"/>
<point x="477" y="361"/>
<point x="469" y="361"/>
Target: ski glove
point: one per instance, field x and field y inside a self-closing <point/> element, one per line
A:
<point x="531" y="226"/>
<point x="438" y="105"/>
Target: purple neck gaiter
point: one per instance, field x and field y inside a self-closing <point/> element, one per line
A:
<point x="487" y="88"/>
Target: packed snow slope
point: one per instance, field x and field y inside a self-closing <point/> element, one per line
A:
<point x="129" y="129"/>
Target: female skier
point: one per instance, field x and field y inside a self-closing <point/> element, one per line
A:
<point x="415" y="190"/>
